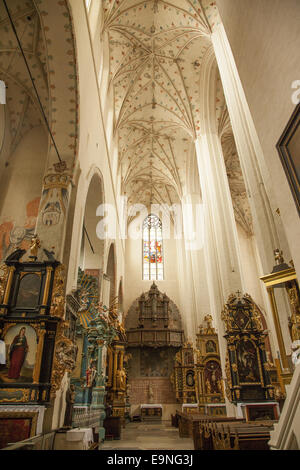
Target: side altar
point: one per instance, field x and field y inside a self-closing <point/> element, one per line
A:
<point x="37" y="336"/>
<point x="151" y="412"/>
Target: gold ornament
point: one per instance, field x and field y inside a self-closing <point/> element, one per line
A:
<point x="58" y="294"/>
<point x="4" y="271"/>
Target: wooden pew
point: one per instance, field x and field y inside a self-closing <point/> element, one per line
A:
<point x="234" y="435"/>
<point x="188" y="424"/>
<point x="202" y="430"/>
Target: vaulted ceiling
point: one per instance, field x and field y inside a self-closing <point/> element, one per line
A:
<point x="22" y="105"/>
<point x="45" y="31"/>
<point x="156" y="49"/>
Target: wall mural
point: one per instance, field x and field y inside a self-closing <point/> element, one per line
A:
<point x="157" y="362"/>
<point x="20" y="344"/>
<point x="13" y="236"/>
<point x="55" y="203"/>
<point x="150" y="362"/>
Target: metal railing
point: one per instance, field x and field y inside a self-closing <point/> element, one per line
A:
<point x="84" y="417"/>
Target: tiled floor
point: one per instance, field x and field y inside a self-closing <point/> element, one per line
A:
<point x="146" y="436"/>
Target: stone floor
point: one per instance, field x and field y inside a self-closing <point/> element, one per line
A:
<point x="147" y="436"/>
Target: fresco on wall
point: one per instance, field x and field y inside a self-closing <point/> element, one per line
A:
<point x="20" y="345"/>
<point x="150" y="362"/>
<point x="157" y="362"/>
<point x="13" y="236"/>
<point x="55" y="203"/>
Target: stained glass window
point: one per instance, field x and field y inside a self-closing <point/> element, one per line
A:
<point x="153" y="267"/>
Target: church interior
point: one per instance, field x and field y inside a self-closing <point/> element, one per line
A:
<point x="149" y="225"/>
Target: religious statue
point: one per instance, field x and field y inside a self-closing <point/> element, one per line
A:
<point x="70" y="400"/>
<point x="295" y="317"/>
<point x="209" y="321"/>
<point x="91" y="373"/>
<point x="58" y="306"/>
<point x="208" y="387"/>
<point x="34" y="247"/>
<point x="121" y="379"/>
<point x="296" y="352"/>
<point x="150" y="394"/>
<point x="278" y="256"/>
<point x="214" y="382"/>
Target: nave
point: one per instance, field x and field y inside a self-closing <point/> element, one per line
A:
<point x="149" y="224"/>
<point x="147" y="436"/>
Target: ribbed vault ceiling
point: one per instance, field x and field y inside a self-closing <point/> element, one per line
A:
<point x="156" y="49"/>
<point x="22" y="106"/>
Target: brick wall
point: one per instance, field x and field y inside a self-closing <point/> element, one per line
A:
<point x="162" y="390"/>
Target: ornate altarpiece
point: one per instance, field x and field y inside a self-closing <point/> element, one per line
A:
<point x="197" y="372"/>
<point x="116" y="386"/>
<point x="283" y="277"/>
<point x="185" y="375"/>
<point x="210" y="388"/>
<point x="37" y="331"/>
<point x="37" y="334"/>
<point x="246" y="365"/>
<point x="98" y="327"/>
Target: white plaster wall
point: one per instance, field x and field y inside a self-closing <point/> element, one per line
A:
<point x="134" y="285"/>
<point x="265" y="40"/>
<point x="249" y="266"/>
<point x="96" y="144"/>
<point x="21" y="181"/>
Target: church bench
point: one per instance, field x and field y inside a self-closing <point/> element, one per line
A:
<point x="189" y="423"/>
<point x="234" y="435"/>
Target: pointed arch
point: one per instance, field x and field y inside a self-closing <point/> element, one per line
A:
<point x="153" y="262"/>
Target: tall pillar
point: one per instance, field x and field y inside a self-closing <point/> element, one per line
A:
<point x="221" y="246"/>
<point x="189" y="251"/>
<point x="53" y="211"/>
<point x="193" y="216"/>
<point x="269" y="232"/>
<point x="186" y="291"/>
<point x="221" y="243"/>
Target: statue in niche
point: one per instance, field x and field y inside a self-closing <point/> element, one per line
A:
<point x="213" y="377"/>
<point x="295" y="317"/>
<point x="70" y="400"/>
<point x="208" y="387"/>
<point x="121" y="379"/>
<point x="91" y="374"/>
<point x="210" y="346"/>
<point x="150" y="394"/>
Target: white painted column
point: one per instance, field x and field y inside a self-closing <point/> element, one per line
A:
<point x="249" y="149"/>
<point x="193" y="215"/>
<point x="221" y="242"/>
<point x="187" y="300"/>
<point x="268" y="231"/>
<point x="52" y="219"/>
<point x="221" y="245"/>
